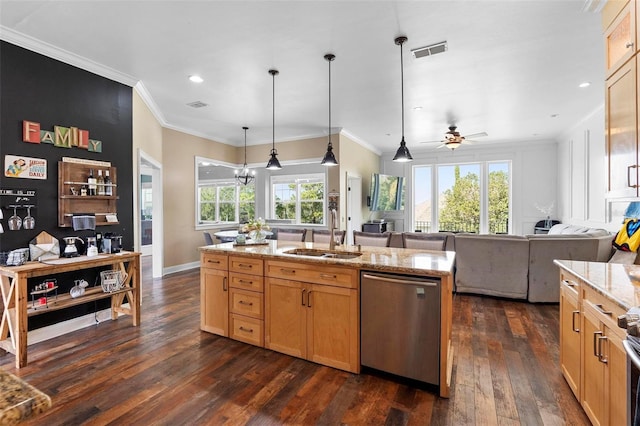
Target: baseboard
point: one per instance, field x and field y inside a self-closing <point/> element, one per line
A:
<point x="181" y="268"/>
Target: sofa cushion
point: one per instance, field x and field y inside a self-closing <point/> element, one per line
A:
<point x="494" y="265"/>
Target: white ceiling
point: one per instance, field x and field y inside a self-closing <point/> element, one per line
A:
<point x="510" y="66"/>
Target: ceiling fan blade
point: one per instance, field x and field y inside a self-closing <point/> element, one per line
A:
<point x="441" y="146"/>
<point x="476" y="135"/>
<point x="431" y="141"/>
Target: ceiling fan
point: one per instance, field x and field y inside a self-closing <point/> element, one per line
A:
<point x="453" y="139"/>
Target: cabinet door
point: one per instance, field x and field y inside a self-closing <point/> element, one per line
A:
<point x="332" y="327"/>
<point x="616" y="380"/>
<point x="620" y="38"/>
<point x="285" y="314"/>
<point x="593" y="370"/>
<point x="570" y="337"/>
<point x="214" y="301"/>
<point x="621" y="131"/>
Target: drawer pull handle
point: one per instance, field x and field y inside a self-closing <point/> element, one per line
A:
<point x="248" y="330"/>
<point x="573" y="321"/>
<point x="303" y="292"/>
<point x="224" y="284"/>
<point x="213" y="261"/>
<point x="329" y="276"/>
<point x="242" y="302"/>
<point x="309" y="299"/>
<point x="596" y="346"/>
<point x="245" y="282"/>
<point x="629" y="45"/>
<point x="245" y="265"/>
<point x="287" y="271"/>
<point x="601" y="357"/>
<point x="601" y="309"/>
<point x="569" y="283"/>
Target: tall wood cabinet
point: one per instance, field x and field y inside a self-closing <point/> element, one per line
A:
<point x="622" y="95"/>
<point x="592" y="358"/>
<point x="214" y="293"/>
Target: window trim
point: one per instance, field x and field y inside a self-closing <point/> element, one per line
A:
<point x="298" y="179"/>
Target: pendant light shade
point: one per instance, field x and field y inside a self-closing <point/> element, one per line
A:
<point x="245" y="176"/>
<point x="329" y="159"/>
<point x="273" y="163"/>
<point x="402" y="154"/>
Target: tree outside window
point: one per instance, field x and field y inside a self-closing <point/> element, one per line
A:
<point x="300" y="199"/>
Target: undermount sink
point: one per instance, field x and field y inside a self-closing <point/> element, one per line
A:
<point x="326" y="254"/>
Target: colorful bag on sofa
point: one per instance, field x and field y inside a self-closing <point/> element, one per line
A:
<point x="628" y="238"/>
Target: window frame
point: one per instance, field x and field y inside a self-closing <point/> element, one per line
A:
<point x="298" y="180"/>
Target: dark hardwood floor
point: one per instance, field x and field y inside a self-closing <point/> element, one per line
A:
<point x="169" y="372"/>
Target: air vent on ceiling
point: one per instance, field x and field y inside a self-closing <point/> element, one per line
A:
<point x="198" y="104"/>
<point x="432" y="49"/>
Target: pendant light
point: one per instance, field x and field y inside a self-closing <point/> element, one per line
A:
<point x="329" y="159"/>
<point x="247" y="176"/>
<point x="273" y="163"/>
<point x="402" y="154"/>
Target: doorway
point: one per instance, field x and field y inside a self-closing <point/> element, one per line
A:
<point x="149" y="215"/>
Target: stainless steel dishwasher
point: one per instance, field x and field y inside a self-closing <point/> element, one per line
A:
<point x="400" y="325"/>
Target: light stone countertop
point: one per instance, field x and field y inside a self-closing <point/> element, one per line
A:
<point x="619" y="283"/>
<point x="383" y="259"/>
<point x="19" y="400"/>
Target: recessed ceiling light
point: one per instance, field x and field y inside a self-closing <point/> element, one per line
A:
<point x="417" y="108"/>
<point x="585" y="84"/>
<point x="554" y="115"/>
<point x="196" y="79"/>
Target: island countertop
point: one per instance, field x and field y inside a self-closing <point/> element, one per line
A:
<point x="618" y="283"/>
<point x="19" y="400"/>
<point x="384" y="259"/>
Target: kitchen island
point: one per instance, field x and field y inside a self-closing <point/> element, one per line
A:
<point x="303" y="299"/>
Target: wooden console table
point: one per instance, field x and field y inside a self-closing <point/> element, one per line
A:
<point x="15" y="306"/>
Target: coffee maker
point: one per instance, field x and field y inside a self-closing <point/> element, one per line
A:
<point x="111" y="243"/>
<point x="70" y="248"/>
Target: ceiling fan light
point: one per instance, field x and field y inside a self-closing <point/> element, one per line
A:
<point x="273" y="163"/>
<point x="452" y="145"/>
<point x="402" y="154"/>
<point x="329" y="159"/>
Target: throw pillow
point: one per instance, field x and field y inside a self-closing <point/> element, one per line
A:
<point x="628" y="238"/>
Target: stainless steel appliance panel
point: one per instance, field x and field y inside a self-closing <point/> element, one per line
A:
<point x="400" y="325"/>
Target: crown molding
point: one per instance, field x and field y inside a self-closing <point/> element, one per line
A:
<point x="360" y="142"/>
<point x="30" y="43"/>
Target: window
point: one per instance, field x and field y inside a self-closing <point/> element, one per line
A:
<point x="299" y="198"/>
<point x="466" y="201"/>
<point x="219" y="197"/>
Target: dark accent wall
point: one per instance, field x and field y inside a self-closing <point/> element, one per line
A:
<point x="37" y="88"/>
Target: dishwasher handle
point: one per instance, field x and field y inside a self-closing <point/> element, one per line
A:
<point x="398" y="281"/>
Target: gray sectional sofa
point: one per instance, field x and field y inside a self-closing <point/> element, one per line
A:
<point x="521" y="267"/>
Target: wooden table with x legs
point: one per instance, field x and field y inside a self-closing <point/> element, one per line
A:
<point x="15" y="309"/>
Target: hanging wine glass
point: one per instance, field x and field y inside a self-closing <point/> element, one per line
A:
<point x="29" y="222"/>
<point x="14" y="222"/>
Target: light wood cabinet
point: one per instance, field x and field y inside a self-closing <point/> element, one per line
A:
<point x="310" y="319"/>
<point x="604" y="372"/>
<point x="246" y="299"/>
<point x="570" y="319"/>
<point x="592" y="357"/>
<point x="71" y="178"/>
<point x="214" y="294"/>
<point x="621" y="130"/>
<point x="620" y="35"/>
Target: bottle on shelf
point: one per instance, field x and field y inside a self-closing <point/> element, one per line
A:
<point x="108" y="189"/>
<point x="83" y="190"/>
<point x="91" y="182"/>
<point x="100" y="183"/>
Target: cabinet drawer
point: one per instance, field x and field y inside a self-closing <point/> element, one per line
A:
<point x="316" y="273"/>
<point x="213" y="260"/>
<point x="248" y="330"/>
<point x="570" y="283"/>
<point x="606" y="310"/>
<point x="246" y="265"/>
<point x="246" y="303"/>
<point x="246" y="282"/>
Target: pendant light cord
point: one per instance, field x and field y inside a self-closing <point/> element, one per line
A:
<point x="273" y="134"/>
<point x="245" y="149"/>
<point x="402" y="87"/>
<point x="330" y="101"/>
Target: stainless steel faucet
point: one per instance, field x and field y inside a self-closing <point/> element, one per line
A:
<point x="333" y="218"/>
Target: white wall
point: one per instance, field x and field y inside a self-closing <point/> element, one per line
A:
<point x="582" y="176"/>
<point x="534" y="175"/>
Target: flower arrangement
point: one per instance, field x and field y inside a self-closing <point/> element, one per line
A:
<point x="545" y="210"/>
<point x="255" y="225"/>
